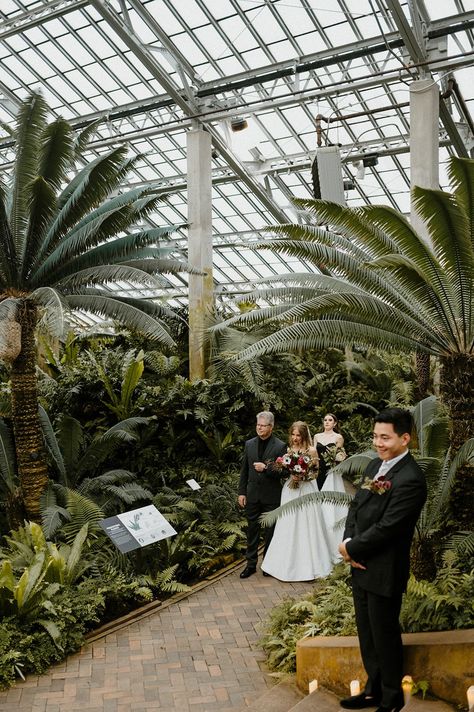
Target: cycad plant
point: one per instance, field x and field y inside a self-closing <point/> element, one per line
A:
<point x="386" y="287"/>
<point x="62" y="240"/>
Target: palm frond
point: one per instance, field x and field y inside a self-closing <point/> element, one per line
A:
<point x="326" y="333"/>
<point x="53" y="514"/>
<point x="306" y="500"/>
<point x="82" y="139"/>
<point x="82" y="511"/>
<point x="85" y="192"/>
<point x="131" y="313"/>
<point x="107" y="274"/>
<point x="128" y="493"/>
<point x="70" y="439"/>
<point x="52" y="443"/>
<point x="42" y="209"/>
<point x="8" y="258"/>
<point x="31" y="122"/>
<point x="56" y="152"/>
<point x="126" y="430"/>
<point x="450" y="231"/>
<point x="54" y="308"/>
<point x="8" y="468"/>
<point x="119" y="250"/>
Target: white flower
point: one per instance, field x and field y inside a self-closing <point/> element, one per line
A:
<point x="297" y="469"/>
<point x="286" y="460"/>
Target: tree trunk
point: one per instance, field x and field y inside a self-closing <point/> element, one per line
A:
<point x="32" y="468"/>
<point x="422" y="375"/>
<point x="457" y="393"/>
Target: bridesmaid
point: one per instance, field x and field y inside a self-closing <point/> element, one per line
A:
<point x="324" y="442"/>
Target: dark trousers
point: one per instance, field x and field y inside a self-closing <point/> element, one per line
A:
<point x="253" y="510"/>
<point x="380" y="641"/>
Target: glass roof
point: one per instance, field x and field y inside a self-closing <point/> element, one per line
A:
<point x="151" y="70"/>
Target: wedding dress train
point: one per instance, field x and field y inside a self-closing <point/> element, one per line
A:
<point x="304" y="544"/>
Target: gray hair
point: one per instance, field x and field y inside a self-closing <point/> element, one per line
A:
<point x="268" y="416"/>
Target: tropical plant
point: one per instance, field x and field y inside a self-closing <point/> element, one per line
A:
<point x="65" y="564"/>
<point x="29" y="596"/>
<point x="61" y="240"/>
<point x="9" y="484"/>
<point x="84" y="492"/>
<point x="121" y="404"/>
<point x="385" y="286"/>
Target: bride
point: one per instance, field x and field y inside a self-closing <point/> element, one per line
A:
<point x="302" y="547"/>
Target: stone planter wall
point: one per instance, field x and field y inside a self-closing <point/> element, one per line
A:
<point x="445" y="660"/>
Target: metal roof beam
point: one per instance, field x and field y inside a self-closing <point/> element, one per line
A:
<point x="187" y="106"/>
<point x="420" y="54"/>
<point x="416" y="51"/>
<point x="149" y="20"/>
<point x="36" y="16"/>
<point x="334" y="55"/>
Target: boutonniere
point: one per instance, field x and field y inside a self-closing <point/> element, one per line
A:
<point x="380" y="486"/>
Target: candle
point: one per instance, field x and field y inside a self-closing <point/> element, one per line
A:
<point x="407" y="686"/>
<point x="470" y="697"/>
<point x="313" y="685"/>
<point x="355" y="687"/>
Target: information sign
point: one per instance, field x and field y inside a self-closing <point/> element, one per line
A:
<point x="137" y="528"/>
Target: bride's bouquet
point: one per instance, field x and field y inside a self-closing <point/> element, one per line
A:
<point x="299" y="466"/>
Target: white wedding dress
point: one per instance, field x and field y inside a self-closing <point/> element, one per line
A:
<point x="304" y="544"/>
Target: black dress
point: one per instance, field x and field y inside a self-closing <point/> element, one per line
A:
<point x="323" y="467"/>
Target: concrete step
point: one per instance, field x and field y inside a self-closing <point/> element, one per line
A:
<point x="286" y="697"/>
<point x="282" y="697"/>
<point x="325" y="701"/>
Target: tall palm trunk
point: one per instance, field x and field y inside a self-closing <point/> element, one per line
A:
<point x="457" y="393"/>
<point x="422" y="375"/>
<point x="32" y="468"/>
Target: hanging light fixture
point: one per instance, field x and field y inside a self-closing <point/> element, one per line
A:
<point x="238" y="124"/>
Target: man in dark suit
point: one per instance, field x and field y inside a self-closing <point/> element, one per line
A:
<point x="260" y="485"/>
<point x="377" y="539"/>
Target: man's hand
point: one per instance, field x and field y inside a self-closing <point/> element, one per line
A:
<point x="343" y="551"/>
<point x="259" y="466"/>
<point x="347" y="558"/>
<point x="242" y="500"/>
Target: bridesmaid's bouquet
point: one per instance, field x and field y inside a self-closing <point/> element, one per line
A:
<point x="298" y="466"/>
<point x="333" y="456"/>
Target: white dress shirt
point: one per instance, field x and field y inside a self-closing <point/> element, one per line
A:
<point x="388" y="464"/>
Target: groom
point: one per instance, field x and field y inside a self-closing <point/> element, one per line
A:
<point x="377" y="538"/>
<point x="259" y="485"/>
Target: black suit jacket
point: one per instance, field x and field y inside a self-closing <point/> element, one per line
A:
<point x="381" y="527"/>
<point x="264" y="487"/>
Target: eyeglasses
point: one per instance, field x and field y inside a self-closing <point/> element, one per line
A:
<point x="264" y="425"/>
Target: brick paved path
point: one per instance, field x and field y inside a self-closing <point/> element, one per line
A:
<point x="199" y="654"/>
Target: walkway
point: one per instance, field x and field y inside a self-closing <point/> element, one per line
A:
<point x="199" y="654"/>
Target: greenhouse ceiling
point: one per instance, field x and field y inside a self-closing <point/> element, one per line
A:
<point x="295" y="73"/>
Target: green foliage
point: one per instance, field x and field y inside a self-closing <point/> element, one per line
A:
<point x="445" y="603"/>
<point x="211" y="528"/>
<point x="420" y="686"/>
<point x="326" y="610"/>
<point x="25" y="647"/>
<point x="132" y="369"/>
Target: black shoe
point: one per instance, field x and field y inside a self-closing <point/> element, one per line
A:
<point x="265" y="573"/>
<point x="395" y="708"/>
<point x="360" y="702"/>
<point x="247" y="572"/>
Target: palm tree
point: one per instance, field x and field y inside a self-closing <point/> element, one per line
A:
<point x="62" y="240"/>
<point x="388" y="288"/>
